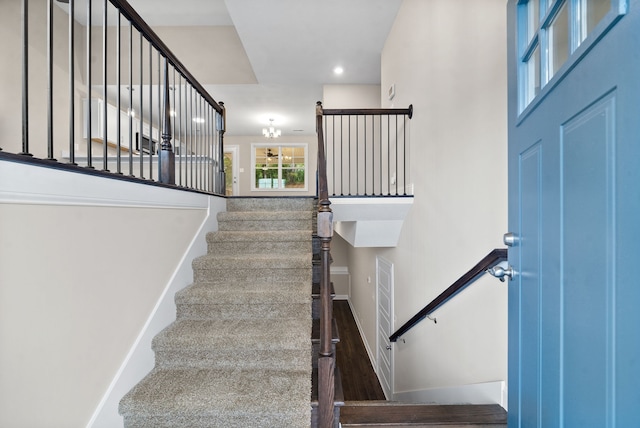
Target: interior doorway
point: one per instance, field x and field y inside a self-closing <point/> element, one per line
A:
<point x="231" y="170"/>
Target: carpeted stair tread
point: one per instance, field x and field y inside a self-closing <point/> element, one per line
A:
<point x="256" y="398"/>
<point x="266" y="215"/>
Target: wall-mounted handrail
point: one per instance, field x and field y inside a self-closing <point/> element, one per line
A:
<point x="367" y="151"/>
<point x="493" y="258"/>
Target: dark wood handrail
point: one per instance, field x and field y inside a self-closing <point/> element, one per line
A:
<point x="129" y="12"/>
<point x="368" y="111"/>
<point x="493" y="258"/>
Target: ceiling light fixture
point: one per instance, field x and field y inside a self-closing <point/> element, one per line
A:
<point x="338" y="70"/>
<point x="271" y="131"/>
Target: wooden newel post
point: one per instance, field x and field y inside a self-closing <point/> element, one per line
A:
<point x="167" y="159"/>
<point x="326" y="358"/>
<point x="221" y="125"/>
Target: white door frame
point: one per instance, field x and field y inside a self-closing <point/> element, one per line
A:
<point x="235" y="152"/>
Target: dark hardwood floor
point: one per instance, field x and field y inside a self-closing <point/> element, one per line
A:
<point x="359" y="380"/>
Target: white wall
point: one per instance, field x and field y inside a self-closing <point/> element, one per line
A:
<point x="448" y="59"/>
<point x="87" y="265"/>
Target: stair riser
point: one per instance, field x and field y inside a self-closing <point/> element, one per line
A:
<point x="264" y="225"/>
<point x="264" y="262"/>
<point x="242" y="311"/>
<point x="269" y="204"/>
<point x="231" y="420"/>
<point x="245" y="275"/>
<point x="257" y="248"/>
<point x="231" y="359"/>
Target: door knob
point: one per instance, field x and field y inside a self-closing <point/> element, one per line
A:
<point x="501" y="271"/>
<point x="510" y="239"/>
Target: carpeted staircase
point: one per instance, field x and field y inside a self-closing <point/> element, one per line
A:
<point x="239" y="352"/>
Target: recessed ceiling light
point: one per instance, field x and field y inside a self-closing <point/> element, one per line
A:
<point x="198" y="119"/>
<point x="338" y="70"/>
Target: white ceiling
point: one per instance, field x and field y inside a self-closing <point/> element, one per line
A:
<point x="292" y="46"/>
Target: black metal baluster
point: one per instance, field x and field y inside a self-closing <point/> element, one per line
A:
<point x="180" y="116"/>
<point x="72" y="83"/>
<point x="191" y="151"/>
<point x="381" y="156"/>
<point x="333" y="154"/>
<point x="50" y="80"/>
<point x="388" y="155"/>
<point x="200" y="144"/>
<point x="141" y="124"/>
<point x="197" y="143"/>
<point x="211" y="156"/>
<point x="25" y="78"/>
<point x="89" y="131"/>
<point x="349" y="157"/>
<point x="119" y="97"/>
<point x="341" y="156"/>
<point x="130" y="112"/>
<point x="105" y="125"/>
<point x="364" y="128"/>
<point x="396" y="173"/>
<point x="373" y="158"/>
<point x="404" y="153"/>
<point x="150" y="111"/>
<point x="357" y="155"/>
<point x="161" y="115"/>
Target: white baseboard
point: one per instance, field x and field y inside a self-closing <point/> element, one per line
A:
<point x="372" y="357"/>
<point x="477" y="393"/>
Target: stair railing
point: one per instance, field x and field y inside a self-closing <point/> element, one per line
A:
<point x="326" y="358"/>
<point x="135" y="112"/>
<point x="483" y="266"/>
<point x="367" y="151"/>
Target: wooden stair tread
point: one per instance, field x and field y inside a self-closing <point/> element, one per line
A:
<point x="387" y="413"/>
<point x="315" y="331"/>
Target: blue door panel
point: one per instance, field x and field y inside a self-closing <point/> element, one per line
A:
<point x="587" y="143"/>
<point x="530" y="287"/>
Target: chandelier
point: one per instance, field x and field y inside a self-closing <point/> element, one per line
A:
<point x="271" y="131"/>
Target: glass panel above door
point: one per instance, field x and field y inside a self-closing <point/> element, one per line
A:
<point x="559" y="40"/>
<point x="552" y="33"/>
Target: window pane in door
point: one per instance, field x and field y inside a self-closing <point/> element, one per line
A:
<point x="533" y="15"/>
<point x="559" y="40"/>
<point x="595" y="10"/>
<point x="532" y="87"/>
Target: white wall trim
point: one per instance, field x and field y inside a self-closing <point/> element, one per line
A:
<point x="26" y="184"/>
<point x="477" y="393"/>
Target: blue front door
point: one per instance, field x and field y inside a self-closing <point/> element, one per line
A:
<point x="574" y="209"/>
